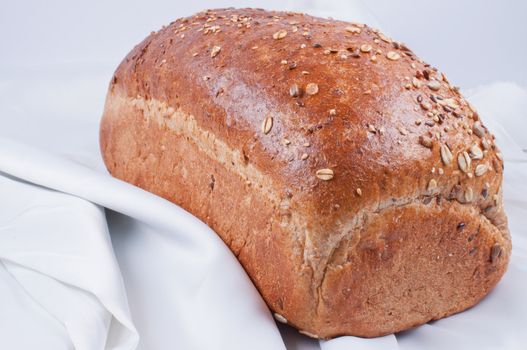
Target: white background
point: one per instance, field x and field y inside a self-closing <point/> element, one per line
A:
<point x="475" y="41"/>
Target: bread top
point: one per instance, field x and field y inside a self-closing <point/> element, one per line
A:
<point x="337" y="118"/>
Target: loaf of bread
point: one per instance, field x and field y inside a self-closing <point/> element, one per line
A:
<point x="359" y="190"/>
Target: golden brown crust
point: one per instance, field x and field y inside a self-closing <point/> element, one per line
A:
<point x="333" y="162"/>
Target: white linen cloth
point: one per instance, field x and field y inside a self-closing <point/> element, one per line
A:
<point x="65" y="285"/>
<point x="53" y="237"/>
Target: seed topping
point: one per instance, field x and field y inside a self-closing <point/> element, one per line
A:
<point x="365" y="48"/>
<point x="434" y="85"/>
<point x="280" y="34"/>
<point x="446" y="154"/>
<point x="485" y="144"/>
<point x="311" y="335"/>
<point x="495" y="252"/>
<point x="432" y="185"/>
<point x="384" y="37"/>
<point x="481" y="169"/>
<point x="215" y="51"/>
<point x="478" y="129"/>
<point x="425" y="105"/>
<point x="353" y="30"/>
<point x="393" y="56"/>
<point x="267" y="125"/>
<point x="402" y="130"/>
<point x="425" y="141"/>
<point x="294" y="90"/>
<point x="280" y="318"/>
<point x="464" y="161"/>
<point x="476" y="152"/>
<point x="311" y="89"/>
<point x="325" y="174"/>
<point x="469" y="195"/>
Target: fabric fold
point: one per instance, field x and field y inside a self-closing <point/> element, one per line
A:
<point x="56" y="246"/>
<point x="215" y="296"/>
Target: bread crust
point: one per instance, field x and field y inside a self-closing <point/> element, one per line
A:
<point x="362" y="196"/>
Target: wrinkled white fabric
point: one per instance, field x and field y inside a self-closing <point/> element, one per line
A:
<point x="56" y="246"/>
<point x="212" y="294"/>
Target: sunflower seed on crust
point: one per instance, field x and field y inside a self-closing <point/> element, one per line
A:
<point x="325" y="174"/>
<point x="446" y="154"/>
